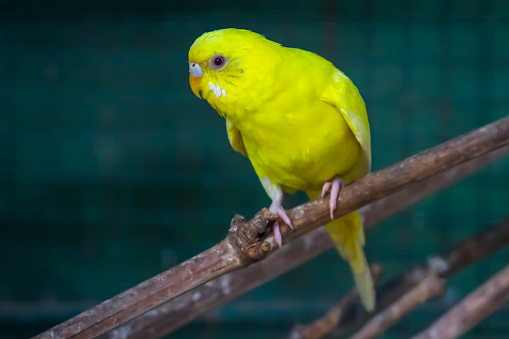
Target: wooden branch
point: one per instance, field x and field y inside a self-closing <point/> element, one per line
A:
<point x="471" y="250"/>
<point x="246" y="243"/>
<point x="191" y="305"/>
<point x="471" y="310"/>
<point x="414" y="192"/>
<point x="320" y="327"/>
<point x="431" y="287"/>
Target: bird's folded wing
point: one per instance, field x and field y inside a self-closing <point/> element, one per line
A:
<point x="235" y="138"/>
<point x="344" y="95"/>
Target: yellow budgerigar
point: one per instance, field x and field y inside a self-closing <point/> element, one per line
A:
<point x="300" y="120"/>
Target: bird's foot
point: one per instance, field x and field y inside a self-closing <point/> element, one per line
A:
<point x="335" y="185"/>
<point x="278" y="210"/>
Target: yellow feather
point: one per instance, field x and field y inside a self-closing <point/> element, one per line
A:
<point x="298" y="118"/>
<point x="235" y="138"/>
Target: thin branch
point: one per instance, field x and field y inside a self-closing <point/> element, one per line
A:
<point x="234" y="252"/>
<point x="471" y="310"/>
<point x="431" y="287"/>
<point x="320" y="327"/>
<point x="471" y="250"/>
<point x="213" y="294"/>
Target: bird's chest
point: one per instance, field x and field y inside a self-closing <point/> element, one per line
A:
<point x="299" y="147"/>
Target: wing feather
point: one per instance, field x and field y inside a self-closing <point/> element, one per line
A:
<point x="235" y="138"/>
<point x="346" y="98"/>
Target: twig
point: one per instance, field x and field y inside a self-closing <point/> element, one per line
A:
<point x="471" y="250"/>
<point x="228" y="256"/>
<point x="192" y="304"/>
<point x="471" y="310"/>
<point x="430" y="287"/>
<point x="320" y="327"/>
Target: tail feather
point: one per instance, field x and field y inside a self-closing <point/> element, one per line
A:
<point x="347" y="234"/>
<point x="348" y="237"/>
<point x="364" y="283"/>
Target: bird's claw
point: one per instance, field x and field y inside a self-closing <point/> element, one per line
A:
<point x="278" y="210"/>
<point x="277" y="234"/>
<point x="335" y="186"/>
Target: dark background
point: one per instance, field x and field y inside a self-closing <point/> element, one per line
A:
<point x="112" y="170"/>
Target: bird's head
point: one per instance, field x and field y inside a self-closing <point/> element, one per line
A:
<point x="221" y="62"/>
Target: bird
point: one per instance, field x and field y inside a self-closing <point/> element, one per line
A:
<point x="301" y="122"/>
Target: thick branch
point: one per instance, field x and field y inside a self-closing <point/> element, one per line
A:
<point x="471" y="310"/>
<point x="320" y="327"/>
<point x="224" y="257"/>
<point x="191" y="305"/>
<point x="430" y="287"/>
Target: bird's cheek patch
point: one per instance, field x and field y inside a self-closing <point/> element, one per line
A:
<point x="218" y="91"/>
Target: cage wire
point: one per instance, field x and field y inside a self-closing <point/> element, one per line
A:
<point x="112" y="170"/>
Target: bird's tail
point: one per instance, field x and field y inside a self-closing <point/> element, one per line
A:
<point x="347" y="234"/>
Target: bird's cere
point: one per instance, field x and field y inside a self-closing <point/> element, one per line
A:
<point x="218" y="91"/>
<point x="195" y="69"/>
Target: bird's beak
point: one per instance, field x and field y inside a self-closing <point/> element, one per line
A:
<point x="195" y="76"/>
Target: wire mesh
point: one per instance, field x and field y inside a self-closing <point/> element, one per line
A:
<point x="112" y="170"/>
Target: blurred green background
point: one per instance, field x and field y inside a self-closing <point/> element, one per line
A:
<point x="113" y="171"/>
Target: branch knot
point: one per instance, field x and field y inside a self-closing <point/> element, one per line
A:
<point x="247" y="236"/>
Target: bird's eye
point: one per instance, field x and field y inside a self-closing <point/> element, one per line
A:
<point x="217" y="62"/>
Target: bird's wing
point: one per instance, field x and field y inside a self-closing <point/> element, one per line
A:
<point x="346" y="98"/>
<point x="235" y="138"/>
